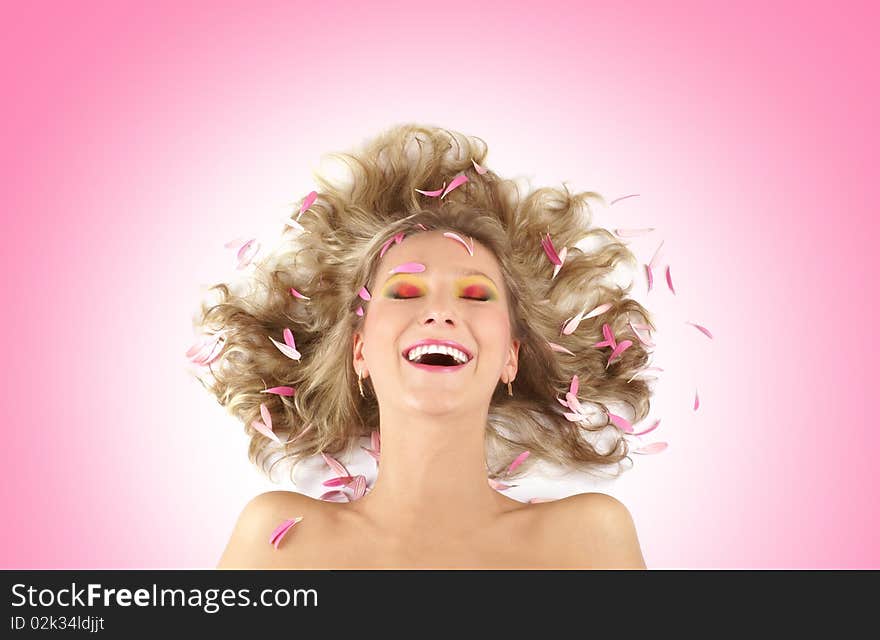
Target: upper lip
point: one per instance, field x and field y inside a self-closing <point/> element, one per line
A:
<point x="447" y="343"/>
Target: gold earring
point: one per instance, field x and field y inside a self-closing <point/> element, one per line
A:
<point x="360" y="386"/>
<point x="509" y="390"/>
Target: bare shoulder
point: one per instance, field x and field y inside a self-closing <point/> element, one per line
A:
<point x="249" y="546"/>
<point x="598" y="532"/>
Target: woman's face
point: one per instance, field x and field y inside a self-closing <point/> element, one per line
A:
<point x="449" y="300"/>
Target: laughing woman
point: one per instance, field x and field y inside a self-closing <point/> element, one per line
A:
<point x="431" y="317"/>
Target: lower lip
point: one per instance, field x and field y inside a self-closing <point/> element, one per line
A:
<point x="435" y="369"/>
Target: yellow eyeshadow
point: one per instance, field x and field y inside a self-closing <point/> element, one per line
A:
<point x="408" y="285"/>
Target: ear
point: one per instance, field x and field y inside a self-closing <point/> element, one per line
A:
<point x="358" y="354"/>
<point x="512" y="364"/>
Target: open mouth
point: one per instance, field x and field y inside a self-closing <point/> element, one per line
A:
<point x="437" y="362"/>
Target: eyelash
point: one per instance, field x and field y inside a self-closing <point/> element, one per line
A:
<point x="393" y="295"/>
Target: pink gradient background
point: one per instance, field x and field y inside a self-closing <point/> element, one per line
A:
<point x="139" y="139"/>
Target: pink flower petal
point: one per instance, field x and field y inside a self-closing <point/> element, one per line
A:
<point x="575" y="417"/>
<point x="408" y="267"/>
<point x="620" y="348"/>
<point x="290" y="222"/>
<point x="335" y="496"/>
<point x="457" y="238"/>
<point x="669" y="280"/>
<point x="703" y="329"/>
<point x="696" y="400"/>
<point x="281" y="391"/>
<point x="307" y="202"/>
<point x="282" y="529"/>
<point x="334" y="464"/>
<point x="207" y="350"/>
<point x="479" y="169"/>
<point x="609" y="337"/>
<point x="632" y="233"/>
<point x="573" y="387"/>
<point x="360" y="487"/>
<point x="602" y="308"/>
<point x="372" y="452"/>
<point x="518" y="461"/>
<point x="632" y="195"/>
<point x="265" y="430"/>
<point x="375" y="441"/>
<point x="288" y="338"/>
<point x="562" y="255"/>
<point x="287" y="350"/>
<point x="641" y="371"/>
<point x="563" y="402"/>
<point x="364" y="294"/>
<point x="649" y="429"/>
<point x="298" y="294"/>
<point x="433" y="194"/>
<point x="247" y="253"/>
<point x="359" y="311"/>
<point x="645" y="342"/>
<point x="650" y="276"/>
<point x="654" y="447"/>
<point x="341" y="481"/>
<point x="235" y="242"/>
<point x="621" y="422"/>
<point x="456" y="181"/>
<point x="500" y="486"/>
<point x="424" y="228"/>
<point x="386" y="246"/>
<point x="550" y="250"/>
<point x="559" y="348"/>
<point x="302" y="433"/>
<point x="571" y="325"/>
<point x="573" y="403"/>
<point x="654" y="260"/>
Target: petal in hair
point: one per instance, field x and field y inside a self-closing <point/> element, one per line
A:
<point x="456" y="181"/>
<point x="572" y="324"/>
<point x="359" y="311"/>
<point x="372" y="452"/>
<point x="375" y="441"/>
<point x="309" y="199"/>
<point x="620" y="348"/>
<point x="645" y="370"/>
<point x="206" y="350"/>
<point x="559" y="348"/>
<point x="669" y="280"/>
<point x="433" y="194"/>
<point x="235" y="242"/>
<point x="621" y="422"/>
<point x="518" y="461"/>
<point x="650" y="275"/>
<point x="265" y="427"/>
<point x="457" y="238"/>
<point x="649" y="429"/>
<point x="574" y="386"/>
<point x="602" y="308"/>
<point x="632" y="233"/>
<point x="654" y="447"/>
<point x="385" y="247"/>
<point x="287" y="350"/>
<point x="290" y="222"/>
<point x="609" y="337"/>
<point x="281" y="391"/>
<point x="701" y="328"/>
<point x="550" y="250"/>
<point x="364" y="294"/>
<point x="408" y="267"/>
<point x="479" y="169"/>
<point x="282" y="529"/>
<point x="645" y="342"/>
<point x="297" y="294"/>
<point x="499" y="486"/>
<point x="562" y="256"/>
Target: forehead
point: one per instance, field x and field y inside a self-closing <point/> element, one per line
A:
<point x="440" y="255"/>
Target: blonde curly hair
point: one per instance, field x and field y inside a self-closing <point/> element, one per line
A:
<point x="331" y="257"/>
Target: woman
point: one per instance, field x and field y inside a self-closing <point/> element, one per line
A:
<point x="429" y="300"/>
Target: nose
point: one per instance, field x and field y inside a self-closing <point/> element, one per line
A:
<point x="439" y="317"/>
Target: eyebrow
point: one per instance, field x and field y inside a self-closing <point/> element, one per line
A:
<point x="460" y="272"/>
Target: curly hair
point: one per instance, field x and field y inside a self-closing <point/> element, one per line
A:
<point x="346" y="227"/>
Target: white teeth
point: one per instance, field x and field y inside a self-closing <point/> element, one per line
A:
<point x="416" y="353"/>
